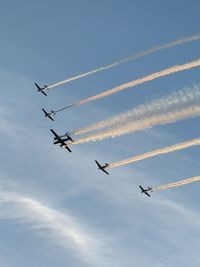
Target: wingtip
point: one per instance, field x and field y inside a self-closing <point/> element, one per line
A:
<point x="38" y="87"/>
<point x="43" y="93"/>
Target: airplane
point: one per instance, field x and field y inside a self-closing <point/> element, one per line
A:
<point x="41" y="89"/>
<point x="145" y="190"/>
<point x="48" y="114"/>
<point x="60" y="141"/>
<point x="66" y="139"/>
<point x="102" y="167"/>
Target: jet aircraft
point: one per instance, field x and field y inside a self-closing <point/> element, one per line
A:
<point x="48" y="114"/>
<point x="42" y="89"/>
<point x="60" y="140"/>
<point x="102" y="167"/>
<point x="145" y="191"/>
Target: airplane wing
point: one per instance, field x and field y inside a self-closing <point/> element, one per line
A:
<point x="141" y="188"/>
<point x="68" y="148"/>
<point x="105" y="171"/>
<point x="45" y="112"/>
<point x="43" y="92"/>
<point x="147" y="194"/>
<point x="55" y="134"/>
<point x="38" y="87"/>
<point x="50" y="118"/>
<point x="98" y="164"/>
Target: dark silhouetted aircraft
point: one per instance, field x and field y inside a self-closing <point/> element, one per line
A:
<point x="102" y="167"/>
<point x="41" y="89"/>
<point x="68" y="138"/>
<point x="67" y="135"/>
<point x="48" y="114"/>
<point x="145" y="190"/>
<point x="60" y="141"/>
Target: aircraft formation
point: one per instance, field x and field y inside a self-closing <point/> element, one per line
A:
<point x="182" y="104"/>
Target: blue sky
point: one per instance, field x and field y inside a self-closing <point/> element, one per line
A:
<point x="56" y="209"/>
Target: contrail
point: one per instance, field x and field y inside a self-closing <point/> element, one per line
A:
<point x="177" y="98"/>
<point x="133" y="83"/>
<point x="151" y="121"/>
<point x="177" y="106"/>
<point x="179" y="183"/>
<point x="130" y="58"/>
<point x="157" y="152"/>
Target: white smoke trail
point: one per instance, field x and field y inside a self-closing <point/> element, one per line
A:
<point x="160" y="119"/>
<point x="157" y="152"/>
<point x="179" y="183"/>
<point x="130" y="58"/>
<point x="133" y="83"/>
<point x="177" y="98"/>
<point x="177" y="106"/>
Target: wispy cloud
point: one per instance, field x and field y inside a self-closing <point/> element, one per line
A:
<point x="61" y="228"/>
<point x="7" y="126"/>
